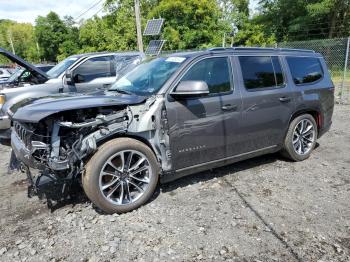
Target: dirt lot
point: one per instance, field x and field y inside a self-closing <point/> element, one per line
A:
<point x="263" y="209"/>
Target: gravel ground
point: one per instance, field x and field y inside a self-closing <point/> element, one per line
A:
<point x="263" y="209"/>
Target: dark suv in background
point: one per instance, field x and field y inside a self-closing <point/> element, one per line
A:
<point x="173" y="116"/>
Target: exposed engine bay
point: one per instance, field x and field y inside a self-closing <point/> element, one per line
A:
<point x="60" y="144"/>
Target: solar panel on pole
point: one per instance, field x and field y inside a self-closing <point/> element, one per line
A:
<point x="154" y="27"/>
<point x="154" y="47"/>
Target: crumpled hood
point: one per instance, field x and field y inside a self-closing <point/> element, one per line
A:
<point x="35" y="109"/>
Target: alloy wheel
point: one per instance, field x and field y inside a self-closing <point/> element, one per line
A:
<point x="304" y="136"/>
<point x="125" y="177"/>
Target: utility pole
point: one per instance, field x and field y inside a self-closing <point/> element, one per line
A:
<point x="138" y="25"/>
<point x="11" y="42"/>
<point x="38" y="49"/>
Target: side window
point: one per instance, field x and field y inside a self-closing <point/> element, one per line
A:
<point x="25" y="76"/>
<point x="305" y="69"/>
<point x="214" y="71"/>
<point x="261" y="71"/>
<point x="125" y="64"/>
<point x="1" y="72"/>
<point x="103" y="66"/>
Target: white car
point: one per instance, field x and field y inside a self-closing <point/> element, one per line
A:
<point x="4" y="74"/>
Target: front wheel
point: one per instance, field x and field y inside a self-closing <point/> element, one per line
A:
<point x="121" y="176"/>
<point x="301" y="138"/>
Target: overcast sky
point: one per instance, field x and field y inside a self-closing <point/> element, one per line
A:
<point x="28" y="10"/>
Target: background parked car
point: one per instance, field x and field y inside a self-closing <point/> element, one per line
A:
<point x="22" y="77"/>
<point x="87" y="72"/>
<point x="4" y="74"/>
<point x="37" y="75"/>
<point x="45" y="67"/>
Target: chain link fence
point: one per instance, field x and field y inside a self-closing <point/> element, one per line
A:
<point x="336" y="53"/>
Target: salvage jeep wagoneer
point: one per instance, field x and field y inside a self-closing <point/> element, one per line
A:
<point x="172" y="116"/>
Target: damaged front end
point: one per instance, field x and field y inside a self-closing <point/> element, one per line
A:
<point x="59" y="145"/>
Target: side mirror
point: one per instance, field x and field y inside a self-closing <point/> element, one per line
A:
<point x="191" y="89"/>
<point x="69" y="77"/>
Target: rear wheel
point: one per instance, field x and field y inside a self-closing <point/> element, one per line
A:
<point x="121" y="176"/>
<point x="301" y="138"/>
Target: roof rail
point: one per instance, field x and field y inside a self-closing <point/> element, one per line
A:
<point x="214" y="49"/>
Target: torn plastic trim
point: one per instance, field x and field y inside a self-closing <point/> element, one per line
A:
<point x="87" y="145"/>
<point x="149" y="121"/>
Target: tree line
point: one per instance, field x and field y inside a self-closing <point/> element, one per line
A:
<point x="190" y="24"/>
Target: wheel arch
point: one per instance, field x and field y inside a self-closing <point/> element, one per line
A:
<point x="136" y="137"/>
<point x="315" y="113"/>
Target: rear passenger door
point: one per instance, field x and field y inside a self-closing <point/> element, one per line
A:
<point x="95" y="73"/>
<point x="267" y="102"/>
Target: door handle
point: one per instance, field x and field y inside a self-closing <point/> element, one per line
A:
<point x="284" y="99"/>
<point x="229" y="107"/>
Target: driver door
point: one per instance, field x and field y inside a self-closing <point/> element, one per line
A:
<point x="196" y="124"/>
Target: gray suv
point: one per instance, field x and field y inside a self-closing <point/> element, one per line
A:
<point x="87" y="73"/>
<point x="173" y="116"/>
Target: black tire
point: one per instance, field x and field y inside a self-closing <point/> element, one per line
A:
<point x="91" y="177"/>
<point x="288" y="148"/>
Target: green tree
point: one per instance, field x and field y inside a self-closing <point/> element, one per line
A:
<point x="235" y="12"/>
<point x="190" y="24"/>
<point x="70" y="43"/>
<point x="50" y="31"/>
<point x="334" y="13"/>
<point x="94" y="35"/>
<point x="252" y="34"/>
<point x="304" y="20"/>
<point x="22" y="37"/>
<point x="23" y="41"/>
<point x="114" y="31"/>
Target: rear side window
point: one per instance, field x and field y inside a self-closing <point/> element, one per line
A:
<point x="261" y="71"/>
<point x="214" y="71"/>
<point x="305" y="70"/>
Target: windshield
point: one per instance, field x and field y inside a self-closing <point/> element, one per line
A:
<point x="58" y="69"/>
<point x="147" y="78"/>
<point x="15" y="75"/>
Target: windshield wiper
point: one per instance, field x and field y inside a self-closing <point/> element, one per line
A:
<point x="121" y="91"/>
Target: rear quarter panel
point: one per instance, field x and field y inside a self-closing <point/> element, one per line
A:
<point x="317" y="96"/>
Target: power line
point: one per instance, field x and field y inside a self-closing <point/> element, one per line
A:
<point x="87" y="10"/>
<point x="97" y="12"/>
